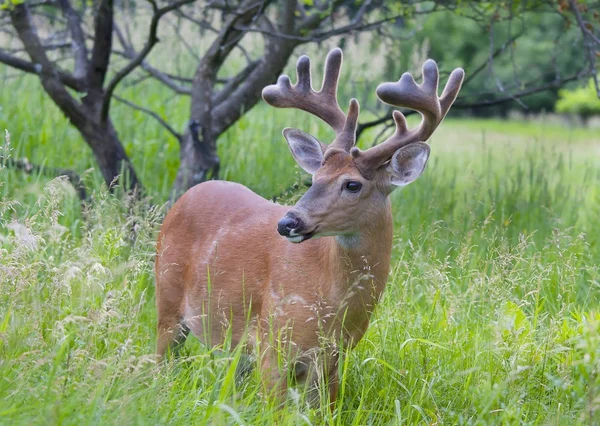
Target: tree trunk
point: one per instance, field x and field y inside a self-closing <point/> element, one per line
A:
<point x="115" y="166"/>
<point x="102" y="138"/>
<point x="99" y="133"/>
<point x="198" y="160"/>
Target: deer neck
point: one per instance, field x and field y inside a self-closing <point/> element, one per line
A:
<point x="359" y="265"/>
<point x="365" y="255"/>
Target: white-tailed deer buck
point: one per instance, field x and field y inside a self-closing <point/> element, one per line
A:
<point x="229" y="265"/>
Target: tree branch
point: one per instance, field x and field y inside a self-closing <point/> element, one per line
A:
<point x="127" y="48"/>
<point x="277" y="52"/>
<point x="164" y="78"/>
<point x="381" y="120"/>
<point x="152" y="40"/>
<point x="29" y="67"/>
<point x="200" y="23"/>
<point x="206" y="26"/>
<point x="98" y="65"/>
<point x="477" y="104"/>
<point x="220" y="48"/>
<point x="582" y="25"/>
<point x="29" y="168"/>
<point x="288" y="18"/>
<point x="167" y="80"/>
<point x="353" y="26"/>
<point x="493" y="56"/>
<point x="47" y="47"/>
<point x="589" y="39"/>
<point x="192" y="51"/>
<point x="78" y="39"/>
<point x="233" y="83"/>
<point x="519" y="95"/>
<point x="150" y="113"/>
<point x="49" y="76"/>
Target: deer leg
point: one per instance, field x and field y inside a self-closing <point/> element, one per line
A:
<point x="274" y="382"/>
<point x="171" y="332"/>
<point x="321" y="371"/>
<point x="332" y="382"/>
<point x="171" y="335"/>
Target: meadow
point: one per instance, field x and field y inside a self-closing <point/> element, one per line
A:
<point x="491" y="314"/>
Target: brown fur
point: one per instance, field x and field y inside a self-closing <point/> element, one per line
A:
<point x="223" y="236"/>
<point x="223" y="268"/>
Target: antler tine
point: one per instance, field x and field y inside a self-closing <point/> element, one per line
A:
<point x="422" y="98"/>
<point x="323" y="103"/>
<point x="346" y="139"/>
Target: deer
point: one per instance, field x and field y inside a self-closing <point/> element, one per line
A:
<point x="234" y="267"/>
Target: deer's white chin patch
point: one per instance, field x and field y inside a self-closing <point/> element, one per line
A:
<point x="295" y="238"/>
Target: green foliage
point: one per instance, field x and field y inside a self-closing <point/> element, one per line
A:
<point x="490" y="315"/>
<point x="458" y="38"/>
<point x="10" y="4"/>
<point x="582" y="100"/>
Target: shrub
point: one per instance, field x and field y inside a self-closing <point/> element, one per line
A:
<point x="583" y="101"/>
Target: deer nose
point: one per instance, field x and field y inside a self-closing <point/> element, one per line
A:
<point x="287" y="224"/>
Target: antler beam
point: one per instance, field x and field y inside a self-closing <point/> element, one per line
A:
<point x="323" y="103"/>
<point x="419" y="97"/>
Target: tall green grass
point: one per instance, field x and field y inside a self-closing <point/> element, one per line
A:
<point x="490" y="315"/>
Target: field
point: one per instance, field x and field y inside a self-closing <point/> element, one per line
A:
<point x="491" y="314"/>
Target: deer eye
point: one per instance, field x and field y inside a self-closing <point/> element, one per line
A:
<point x="353" y="186"/>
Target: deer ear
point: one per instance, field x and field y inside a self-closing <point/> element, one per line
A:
<point x="408" y="163"/>
<point x="305" y="148"/>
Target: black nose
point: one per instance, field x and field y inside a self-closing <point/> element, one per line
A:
<point x="288" y="223"/>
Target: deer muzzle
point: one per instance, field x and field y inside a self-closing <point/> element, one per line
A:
<point x="293" y="228"/>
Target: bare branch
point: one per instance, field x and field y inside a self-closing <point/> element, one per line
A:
<point x="47" y="47"/>
<point x="228" y="6"/>
<point x="233" y="83"/>
<point x="32" y="68"/>
<point x="49" y="76"/>
<point x="78" y="39"/>
<point x="201" y="23"/>
<point x="152" y="40"/>
<point x="180" y="78"/>
<point x="478" y="103"/>
<point x="493" y="56"/>
<point x="101" y="50"/>
<point x="589" y="39"/>
<point x="519" y="95"/>
<point x="382" y="120"/>
<point x="150" y="113"/>
<point x="354" y="26"/>
<point x="128" y="49"/>
<point x="220" y="48"/>
<point x="248" y="12"/>
<point x="582" y="25"/>
<point x="37" y="3"/>
<point x="177" y="31"/>
<point x="29" y="168"/>
<point x="287" y="22"/>
<point x="168" y="79"/>
<point x="136" y="81"/>
<point x="314" y="19"/>
<point x="277" y="52"/>
<point x="49" y="16"/>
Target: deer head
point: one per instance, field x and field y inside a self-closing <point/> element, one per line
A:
<point x="350" y="186"/>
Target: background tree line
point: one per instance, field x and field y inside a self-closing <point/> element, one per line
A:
<point x="517" y="54"/>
